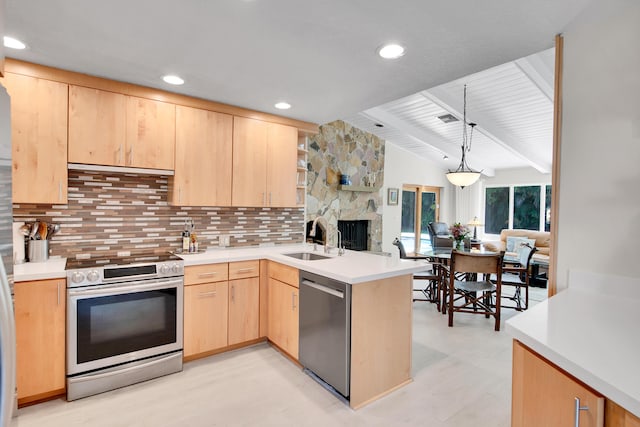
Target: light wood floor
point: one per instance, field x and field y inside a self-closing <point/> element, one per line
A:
<point x="462" y="377"/>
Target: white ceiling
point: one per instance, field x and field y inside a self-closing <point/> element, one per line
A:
<point x="512" y="105"/>
<point x="320" y="56"/>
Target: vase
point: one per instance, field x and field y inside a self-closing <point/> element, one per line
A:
<point x="459" y="245"/>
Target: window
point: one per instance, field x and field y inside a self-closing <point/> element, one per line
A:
<point x="408" y="211"/>
<point x="496" y="210"/>
<point x="526" y="207"/>
<point x="547" y="209"/>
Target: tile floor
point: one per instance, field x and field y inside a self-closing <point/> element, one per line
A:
<point x="462" y="377"/>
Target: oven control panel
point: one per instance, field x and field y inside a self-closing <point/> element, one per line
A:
<point x="123" y="273"/>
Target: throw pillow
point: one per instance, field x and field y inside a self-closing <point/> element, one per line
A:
<point x="514" y="242"/>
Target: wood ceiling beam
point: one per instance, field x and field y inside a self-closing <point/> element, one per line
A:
<point x="445" y="100"/>
<point x="423" y="136"/>
<point x="536" y="71"/>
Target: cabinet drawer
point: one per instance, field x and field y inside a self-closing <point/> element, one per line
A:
<point x="284" y="273"/>
<point x="244" y="269"/>
<point x="206" y="273"/>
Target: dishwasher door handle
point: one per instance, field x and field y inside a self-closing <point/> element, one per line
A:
<point x="325" y="289"/>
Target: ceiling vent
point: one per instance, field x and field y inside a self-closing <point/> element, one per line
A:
<point x="448" y="118"/>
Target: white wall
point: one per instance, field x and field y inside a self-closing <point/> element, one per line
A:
<point x="518" y="176"/>
<point x="599" y="219"/>
<point x="402" y="167"/>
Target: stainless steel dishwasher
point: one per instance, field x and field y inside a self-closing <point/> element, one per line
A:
<point x="325" y="329"/>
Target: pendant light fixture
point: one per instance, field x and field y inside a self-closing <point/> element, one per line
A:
<point x="464" y="175"/>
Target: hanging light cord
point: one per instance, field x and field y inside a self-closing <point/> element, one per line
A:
<point x="466" y="137"/>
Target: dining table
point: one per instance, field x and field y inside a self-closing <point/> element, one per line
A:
<point x="440" y="257"/>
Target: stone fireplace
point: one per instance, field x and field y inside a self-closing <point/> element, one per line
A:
<point x="338" y="149"/>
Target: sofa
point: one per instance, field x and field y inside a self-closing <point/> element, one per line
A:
<point x="509" y="242"/>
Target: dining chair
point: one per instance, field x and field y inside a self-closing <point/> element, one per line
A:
<point x="518" y="275"/>
<point x="430" y="291"/>
<point x="475" y="293"/>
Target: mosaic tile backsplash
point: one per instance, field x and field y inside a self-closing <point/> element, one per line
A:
<point x="110" y="215"/>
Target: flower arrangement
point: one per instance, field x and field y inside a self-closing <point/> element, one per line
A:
<point x="459" y="232"/>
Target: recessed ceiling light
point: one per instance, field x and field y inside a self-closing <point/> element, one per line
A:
<point x="391" y="51"/>
<point x="13" y="43"/>
<point x="282" y="105"/>
<point x="173" y="80"/>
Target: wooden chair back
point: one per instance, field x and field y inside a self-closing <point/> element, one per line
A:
<point x="469" y="262"/>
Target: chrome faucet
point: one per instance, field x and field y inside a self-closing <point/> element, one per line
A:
<point x="312" y="232"/>
<point x="327" y="249"/>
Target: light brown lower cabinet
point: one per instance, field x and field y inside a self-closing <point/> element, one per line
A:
<point x="283" y="316"/>
<point x="221" y="306"/>
<point x="205" y="317"/>
<point x="616" y="416"/>
<point x="40" y="311"/>
<point x="544" y="395"/>
<point x="244" y="309"/>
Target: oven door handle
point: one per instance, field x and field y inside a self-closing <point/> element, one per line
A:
<point x="128" y="287"/>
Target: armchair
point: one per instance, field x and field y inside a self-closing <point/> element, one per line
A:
<point x="439" y="234"/>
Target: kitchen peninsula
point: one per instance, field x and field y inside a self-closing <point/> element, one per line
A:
<point x="381" y="314"/>
<point x="576" y="348"/>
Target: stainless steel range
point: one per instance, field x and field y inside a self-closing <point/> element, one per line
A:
<point x="124" y="323"/>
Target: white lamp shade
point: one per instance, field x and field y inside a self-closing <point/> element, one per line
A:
<point x="463" y="179"/>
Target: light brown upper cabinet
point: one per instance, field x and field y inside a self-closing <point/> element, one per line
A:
<point x="202" y="158"/>
<point x="264" y="163"/>
<point x="151" y="134"/>
<point x="282" y="156"/>
<point x="112" y="129"/>
<point x="97" y="122"/>
<point x="39" y="139"/>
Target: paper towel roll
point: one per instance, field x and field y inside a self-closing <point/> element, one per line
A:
<point x="18" y="243"/>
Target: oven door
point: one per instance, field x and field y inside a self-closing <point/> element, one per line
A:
<point x="113" y="324"/>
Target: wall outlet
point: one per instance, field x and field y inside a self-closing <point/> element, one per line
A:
<point x="224" y="240"/>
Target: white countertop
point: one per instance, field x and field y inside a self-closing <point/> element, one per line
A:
<point x="590" y="334"/>
<point x="353" y="267"/>
<point x="53" y="268"/>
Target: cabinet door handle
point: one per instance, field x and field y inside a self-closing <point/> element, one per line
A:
<point x="207" y="294"/>
<point x="180" y="194"/>
<point x="58" y="293"/>
<point x="59" y="189"/>
<point x="204" y="275"/>
<point x="264" y="199"/>
<point x="269" y="198"/>
<point x="293" y="300"/>
<point x="119" y="155"/>
<point x="131" y="156"/>
<point x="578" y="408"/>
<point x="233" y="293"/>
<point x="245" y="270"/>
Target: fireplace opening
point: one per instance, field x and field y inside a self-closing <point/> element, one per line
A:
<point x="355" y="234"/>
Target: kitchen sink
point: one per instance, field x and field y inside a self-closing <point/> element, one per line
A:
<point x="307" y="256"/>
